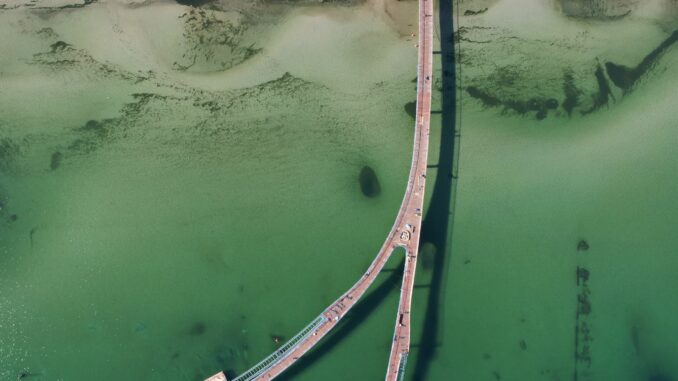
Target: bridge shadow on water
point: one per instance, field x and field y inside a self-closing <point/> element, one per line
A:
<point x="435" y="228"/>
<point x="437" y="221"/>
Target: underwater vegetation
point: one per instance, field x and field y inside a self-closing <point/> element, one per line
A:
<point x="625" y="77"/>
<point x="506" y="69"/>
<point x="369" y="183"/>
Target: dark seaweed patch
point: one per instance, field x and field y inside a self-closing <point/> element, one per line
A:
<point x="84" y="4"/>
<point x="46" y="33"/>
<point x="603" y="10"/>
<point x="82" y="145"/>
<point x="583" y="328"/>
<point x="63" y="55"/>
<point x="59" y="46"/>
<point x="540" y="106"/>
<point x="369" y="184"/>
<point x="486" y="98"/>
<point x="625" y="77"/>
<point x="208" y="36"/>
<point x="26" y="374"/>
<point x="194" y="3"/>
<point x="95" y="126"/>
<point x="584" y="304"/>
<point x="622" y="76"/>
<point x="31" y="235"/>
<point x="32" y="5"/>
<point x="602" y="97"/>
<point x="571" y="91"/>
<point x="8" y="150"/>
<point x="583" y="275"/>
<point x="55" y="161"/>
<point x="469" y="12"/>
<point x="92" y="135"/>
<point x="197" y="329"/>
<point x="98" y="130"/>
<point x="659" y="377"/>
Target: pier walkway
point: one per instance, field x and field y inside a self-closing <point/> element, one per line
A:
<point x="404" y="233"/>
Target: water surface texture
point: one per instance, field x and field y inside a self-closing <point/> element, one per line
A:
<point x="181" y="187"/>
<point x="563" y="251"/>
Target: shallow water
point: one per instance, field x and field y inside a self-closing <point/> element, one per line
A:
<point x="166" y="220"/>
<point x="529" y="191"/>
<point x="170" y="223"/>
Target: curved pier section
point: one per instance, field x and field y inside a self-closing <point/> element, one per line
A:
<point x="404" y="233"/>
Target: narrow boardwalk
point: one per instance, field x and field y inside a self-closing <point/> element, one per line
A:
<point x="400" y="347"/>
<point x="404" y="233"/>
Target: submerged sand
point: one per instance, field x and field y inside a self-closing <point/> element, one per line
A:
<point x="174" y="197"/>
<point x="562" y="247"/>
<point x="164" y="222"/>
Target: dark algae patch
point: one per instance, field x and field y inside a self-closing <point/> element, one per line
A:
<point x="213" y="41"/>
<point x="486" y="98"/>
<point x="625" y="77"/>
<point x="59" y="46"/>
<point x="8" y="151"/>
<point x="197" y="329"/>
<point x="94" y="126"/>
<point x="55" y="161"/>
<point x="26" y="374"/>
<point x="571" y="91"/>
<point x="31" y="235"/>
<point x="540" y="106"/>
<point x="369" y="184"/>
<point x="583" y="334"/>
<point x="659" y="377"/>
<point x="193" y="3"/>
<point x="602" y="97"/>
<point x="470" y="12"/>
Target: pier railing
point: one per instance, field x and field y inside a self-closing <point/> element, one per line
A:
<point x="401" y="367"/>
<point x="279" y="354"/>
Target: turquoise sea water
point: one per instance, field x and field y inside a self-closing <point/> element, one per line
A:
<point x="178" y="195"/>
<point x="562" y="256"/>
<point x="171" y="224"/>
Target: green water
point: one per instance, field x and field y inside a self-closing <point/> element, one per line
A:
<point x="170" y="223"/>
<point x="180" y="186"/>
<point x="529" y="190"/>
